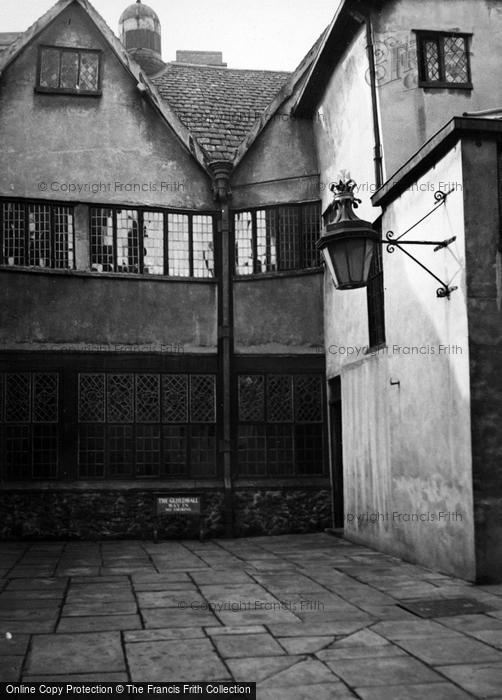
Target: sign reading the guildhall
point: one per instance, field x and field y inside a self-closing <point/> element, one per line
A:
<point x="178" y="505"/>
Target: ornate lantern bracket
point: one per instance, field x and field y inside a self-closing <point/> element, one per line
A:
<point x="348" y="243"/>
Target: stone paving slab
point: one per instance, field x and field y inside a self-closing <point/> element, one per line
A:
<point x="99" y="623"/>
<point x="10" y="668"/>
<point x="183" y="660"/>
<point x="245" y="645"/>
<point x="304" y="616"/>
<point x="320" y="691"/>
<point x="383" y="671"/>
<point x="304" y="645"/>
<point x="305" y="672"/>
<point x="80" y="653"/>
<point x="437" y="651"/>
<point x="431" y="691"/>
<point x="78" y="678"/>
<point x="482" y="680"/>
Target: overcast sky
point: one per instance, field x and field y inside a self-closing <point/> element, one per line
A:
<point x="264" y="34"/>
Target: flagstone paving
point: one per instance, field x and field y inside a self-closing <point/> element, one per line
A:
<point x="304" y="616"/>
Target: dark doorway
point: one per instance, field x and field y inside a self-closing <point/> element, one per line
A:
<point x="336" y="448"/>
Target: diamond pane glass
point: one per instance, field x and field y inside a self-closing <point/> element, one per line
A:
<point x="431" y="58"/>
<point x="89" y="71"/>
<point x="280" y="399"/>
<point x="45" y="398"/>
<point x="243" y="225"/>
<point x="49" y="68"/>
<point x="17" y="398"/>
<point x="91" y="398"/>
<point x="175" y="398"/>
<point x="69" y="70"/>
<point x="203" y="252"/>
<point x="202" y="399"/>
<point x="147" y="398"/>
<point x="308" y="399"/>
<point x="251" y="398"/>
<point x="455" y="60"/>
<point x="120" y="398"/>
<point x="13" y="234"/>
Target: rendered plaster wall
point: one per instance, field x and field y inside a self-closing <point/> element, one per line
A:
<point x="410" y="115"/>
<point x="109" y="149"/>
<point x="406" y="406"/>
<point x="484" y="275"/>
<point x="280" y="314"/>
<point x="44" y="311"/>
<point x="113" y="149"/>
<point x="281" y="165"/>
<point x="344" y="142"/>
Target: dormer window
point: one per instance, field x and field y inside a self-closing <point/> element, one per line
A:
<point x="443" y="60"/>
<point x="68" y="70"/>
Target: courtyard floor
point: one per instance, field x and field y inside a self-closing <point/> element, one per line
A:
<point x="307" y="616"/>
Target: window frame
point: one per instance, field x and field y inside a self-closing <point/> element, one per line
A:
<point x="69" y="91"/>
<point x="133" y="426"/>
<point x="114" y="208"/>
<point x="266" y="425"/>
<point x="26" y="203"/>
<point x="254" y="242"/>
<point x="438" y="37"/>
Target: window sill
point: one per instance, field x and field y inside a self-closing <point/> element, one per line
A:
<point x="281" y="273"/>
<point x="71" y="93"/>
<point x="445" y="86"/>
<point x="105" y="275"/>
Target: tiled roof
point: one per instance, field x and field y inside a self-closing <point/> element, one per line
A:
<point x="218" y="105"/>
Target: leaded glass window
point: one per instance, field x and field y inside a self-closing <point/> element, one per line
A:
<point x="36" y="235"/>
<point x="147" y="425"/>
<point x="151" y="242"/>
<point x="444" y="60"/>
<point x="29" y="425"/>
<point x="280" y="430"/>
<point x="277" y="238"/>
<point x="68" y="70"/>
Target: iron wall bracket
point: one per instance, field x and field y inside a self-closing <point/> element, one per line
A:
<point x="444" y="291"/>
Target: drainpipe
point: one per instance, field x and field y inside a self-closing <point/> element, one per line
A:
<point x="221" y="173"/>
<point x="378" y="153"/>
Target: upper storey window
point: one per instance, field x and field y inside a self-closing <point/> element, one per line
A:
<point x="443" y="60"/>
<point x="71" y="71"/>
<point x="36" y="235"/>
<point x="277" y="238"/>
<point x="151" y="242"/>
